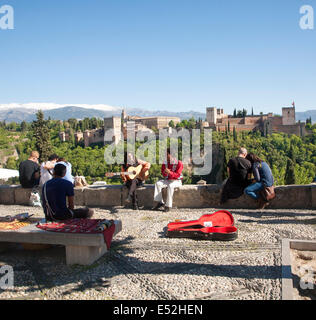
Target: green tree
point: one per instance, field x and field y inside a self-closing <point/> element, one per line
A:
<point x="235" y="134"/>
<point x="42" y="136"/>
<point x="23" y="126"/>
<point x="290" y="173"/>
<point x="171" y="124"/>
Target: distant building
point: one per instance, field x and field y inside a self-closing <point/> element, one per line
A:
<point x="265" y="123"/>
<point x="121" y="125"/>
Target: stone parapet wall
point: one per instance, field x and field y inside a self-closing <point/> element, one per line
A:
<point x="187" y="196"/>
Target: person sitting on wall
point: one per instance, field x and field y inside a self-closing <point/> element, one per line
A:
<point x="172" y="172"/>
<point x="68" y="176"/>
<point x="55" y="194"/>
<point x="29" y="171"/>
<point x="47" y="168"/>
<point x="133" y="184"/>
<point x="262" y="178"/>
<point x="238" y="169"/>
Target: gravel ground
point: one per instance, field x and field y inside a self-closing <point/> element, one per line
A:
<point x="144" y="264"/>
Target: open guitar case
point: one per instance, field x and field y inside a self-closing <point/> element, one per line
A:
<point x="219" y="226"/>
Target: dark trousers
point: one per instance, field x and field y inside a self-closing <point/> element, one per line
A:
<point x="132" y="186"/>
<point x="80" y="213"/>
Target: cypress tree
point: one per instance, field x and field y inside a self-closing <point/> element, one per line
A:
<point x="42" y="136"/>
<point x="235" y="134"/>
<point x="290" y="173"/>
<point x="292" y="155"/>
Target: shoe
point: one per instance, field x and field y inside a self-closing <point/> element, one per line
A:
<point x="135" y="207"/>
<point x="158" y="206"/>
<point x="262" y="204"/>
<point x="128" y="199"/>
<point x="167" y="209"/>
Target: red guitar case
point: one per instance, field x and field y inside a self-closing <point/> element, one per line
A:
<point x="216" y="226"/>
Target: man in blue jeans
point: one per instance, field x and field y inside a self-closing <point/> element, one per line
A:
<point x="263" y="178"/>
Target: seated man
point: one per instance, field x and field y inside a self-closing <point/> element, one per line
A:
<point x="130" y="160"/>
<point x="238" y="170"/>
<point x="172" y="171"/>
<point x="54" y="198"/>
<point x="29" y="171"/>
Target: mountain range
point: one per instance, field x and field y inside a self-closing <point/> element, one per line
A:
<point x="19" y="114"/>
<point x="27" y="112"/>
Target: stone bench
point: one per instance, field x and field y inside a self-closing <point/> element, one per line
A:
<point x="83" y="249"/>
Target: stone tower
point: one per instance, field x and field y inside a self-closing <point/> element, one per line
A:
<point x="288" y="116"/>
<point x="211" y="115"/>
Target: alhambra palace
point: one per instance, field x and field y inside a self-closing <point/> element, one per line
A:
<point x="216" y="119"/>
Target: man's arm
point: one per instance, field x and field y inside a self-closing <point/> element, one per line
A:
<point x="176" y="175"/>
<point x="256" y="173"/>
<point x="163" y="170"/>
<point x="71" y="202"/>
<point x="48" y="165"/>
<point x="70" y="193"/>
<point x="123" y="176"/>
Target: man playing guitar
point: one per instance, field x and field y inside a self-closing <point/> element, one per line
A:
<point x="132" y="184"/>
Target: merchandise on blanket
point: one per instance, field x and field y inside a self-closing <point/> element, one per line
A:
<point x="87" y="226"/>
<point x="13" y="225"/>
<point x="216" y="226"/>
<point x="20" y="217"/>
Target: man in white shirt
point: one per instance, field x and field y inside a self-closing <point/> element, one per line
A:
<point x="47" y="168"/>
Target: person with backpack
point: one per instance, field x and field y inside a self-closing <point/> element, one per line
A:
<point x="263" y="179"/>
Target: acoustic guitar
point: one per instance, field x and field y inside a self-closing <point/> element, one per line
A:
<point x="131" y="173"/>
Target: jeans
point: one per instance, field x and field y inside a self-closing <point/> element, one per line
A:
<point x="253" y="189"/>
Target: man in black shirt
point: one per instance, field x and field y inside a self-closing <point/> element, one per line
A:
<point x="238" y="169"/>
<point x="29" y="171"/>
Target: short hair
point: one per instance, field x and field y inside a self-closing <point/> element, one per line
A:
<point x="242" y="151"/>
<point x="53" y="157"/>
<point x="60" y="170"/>
<point x="34" y="154"/>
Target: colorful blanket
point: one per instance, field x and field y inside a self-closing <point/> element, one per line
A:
<point x="13" y="225"/>
<point x="87" y="226"/>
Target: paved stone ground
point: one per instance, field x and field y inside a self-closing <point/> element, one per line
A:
<point x="144" y="264"/>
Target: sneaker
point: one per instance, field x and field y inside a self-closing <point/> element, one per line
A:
<point x="158" y="206"/>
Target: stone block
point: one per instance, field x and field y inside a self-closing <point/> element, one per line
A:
<point x="292" y="197"/>
<point x="79" y="197"/>
<point x="22" y="196"/>
<point x="145" y="196"/>
<point x="7" y="194"/>
<point x="188" y="196"/>
<point x="109" y="196"/>
<point x="313" y="195"/>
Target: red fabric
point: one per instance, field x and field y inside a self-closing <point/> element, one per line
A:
<point x="87" y="226"/>
<point x="174" y="175"/>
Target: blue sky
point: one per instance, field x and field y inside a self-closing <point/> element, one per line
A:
<point x="160" y="54"/>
